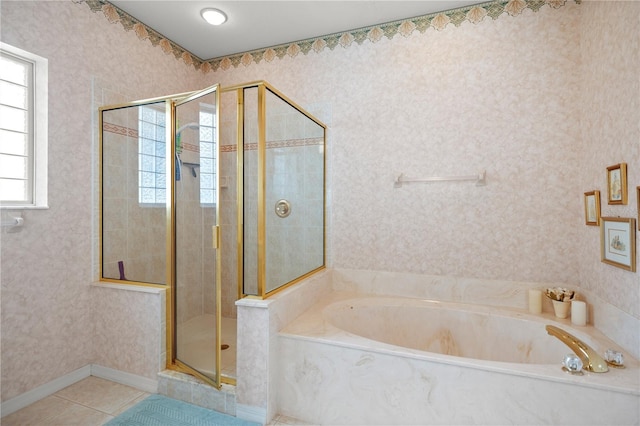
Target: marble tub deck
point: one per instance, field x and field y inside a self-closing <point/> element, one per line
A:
<point x="316" y="325"/>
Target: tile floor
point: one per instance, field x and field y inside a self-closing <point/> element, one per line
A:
<point x="90" y="402"/>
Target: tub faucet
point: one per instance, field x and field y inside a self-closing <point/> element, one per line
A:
<point x="590" y="358"/>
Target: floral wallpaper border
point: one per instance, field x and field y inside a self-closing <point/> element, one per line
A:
<point x="373" y="34"/>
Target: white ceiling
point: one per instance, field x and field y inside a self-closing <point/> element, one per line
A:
<point x="258" y="24"/>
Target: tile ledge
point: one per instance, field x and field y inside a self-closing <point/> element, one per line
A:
<point x="128" y="287"/>
<point x="254" y="303"/>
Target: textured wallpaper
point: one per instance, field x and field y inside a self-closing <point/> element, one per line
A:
<point x="610" y="134"/>
<point x="543" y="101"/>
<point x="499" y="96"/>
<point x="49" y="312"/>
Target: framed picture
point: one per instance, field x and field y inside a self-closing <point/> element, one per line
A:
<point x="618" y="242"/>
<point x="592" y="208"/>
<point x="617" y="184"/>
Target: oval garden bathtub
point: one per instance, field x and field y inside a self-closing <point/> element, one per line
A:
<point x="468" y="331"/>
<point x="393" y="360"/>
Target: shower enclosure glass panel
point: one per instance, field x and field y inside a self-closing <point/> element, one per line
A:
<point x="197" y="270"/>
<point x="134" y="196"/>
<point x="283" y="182"/>
<point x="294" y="193"/>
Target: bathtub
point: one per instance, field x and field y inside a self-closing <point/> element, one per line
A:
<point x="468" y="331"/>
<point x="361" y="359"/>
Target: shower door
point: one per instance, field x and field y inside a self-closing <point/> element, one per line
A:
<point x="196" y="309"/>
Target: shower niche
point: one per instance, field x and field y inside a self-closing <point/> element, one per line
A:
<point x="193" y="188"/>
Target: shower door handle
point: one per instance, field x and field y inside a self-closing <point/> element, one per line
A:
<point x="215" y="233"/>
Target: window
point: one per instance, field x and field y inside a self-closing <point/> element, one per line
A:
<point x="23" y="128"/>
<point x="152" y="177"/>
<point x="207" y="155"/>
<point x="152" y="153"/>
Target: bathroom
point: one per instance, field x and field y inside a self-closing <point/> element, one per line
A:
<point x="543" y="100"/>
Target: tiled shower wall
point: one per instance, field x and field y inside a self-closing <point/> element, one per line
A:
<point x="195" y="255"/>
<point x="195" y="258"/>
<point x="133" y="234"/>
<point x="228" y="204"/>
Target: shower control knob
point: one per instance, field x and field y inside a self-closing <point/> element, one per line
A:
<point x="283" y="208"/>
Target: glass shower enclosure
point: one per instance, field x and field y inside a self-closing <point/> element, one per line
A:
<point x="213" y="195"/>
<point x="281" y="204"/>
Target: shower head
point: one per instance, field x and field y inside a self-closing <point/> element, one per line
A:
<point x="193" y="126"/>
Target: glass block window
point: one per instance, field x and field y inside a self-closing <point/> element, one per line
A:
<point x="207" y="155"/>
<point x="152" y="176"/>
<point x="152" y="153"/>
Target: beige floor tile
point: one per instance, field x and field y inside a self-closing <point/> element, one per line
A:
<point x="81" y="416"/>
<point x="37" y="413"/>
<point x="100" y="394"/>
<point x="130" y="404"/>
<point x="280" y="420"/>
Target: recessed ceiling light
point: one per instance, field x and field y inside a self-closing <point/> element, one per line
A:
<point x="213" y="16"/>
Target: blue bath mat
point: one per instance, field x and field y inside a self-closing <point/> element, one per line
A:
<point x="158" y="410"/>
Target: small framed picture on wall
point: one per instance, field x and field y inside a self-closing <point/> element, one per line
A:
<point x="592" y="208"/>
<point x="618" y="242"/>
<point x="617" y="184"/>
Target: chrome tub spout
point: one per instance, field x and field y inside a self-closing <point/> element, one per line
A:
<point x="590" y="358"/>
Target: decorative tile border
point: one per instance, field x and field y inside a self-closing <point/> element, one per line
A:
<point x="133" y="133"/>
<point x="288" y="143"/>
<point x="190" y="147"/>
<point x="120" y="130"/>
<point x="373" y="34"/>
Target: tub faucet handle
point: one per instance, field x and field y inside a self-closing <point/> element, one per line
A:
<point x="590" y="358"/>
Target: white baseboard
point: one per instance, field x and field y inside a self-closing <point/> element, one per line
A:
<point x="129" y="379"/>
<point x="251" y="413"/>
<point x="14" y="404"/>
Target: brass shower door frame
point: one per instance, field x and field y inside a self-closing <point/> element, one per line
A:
<point x="262" y="87"/>
<point x="173" y="363"/>
<point x="171" y="102"/>
<point x="169" y="170"/>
